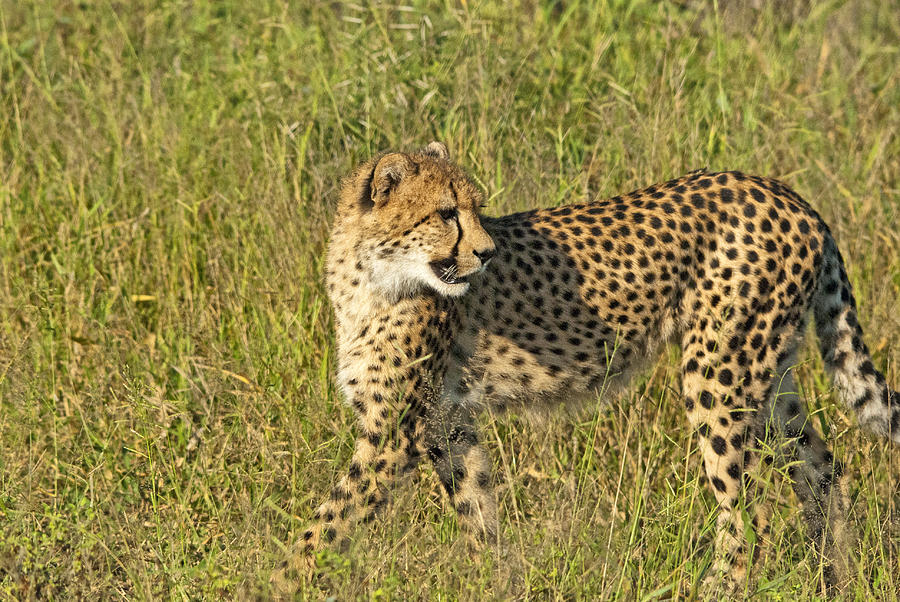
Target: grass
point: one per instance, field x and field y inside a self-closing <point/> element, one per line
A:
<point x="168" y="413"/>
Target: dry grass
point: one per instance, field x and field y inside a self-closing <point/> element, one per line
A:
<point x="168" y="417"/>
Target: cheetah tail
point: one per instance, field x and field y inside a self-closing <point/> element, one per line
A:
<point x="859" y="385"/>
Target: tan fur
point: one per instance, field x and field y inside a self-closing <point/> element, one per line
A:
<point x="557" y="305"/>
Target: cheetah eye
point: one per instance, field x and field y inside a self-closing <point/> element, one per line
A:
<point x="447" y="214"/>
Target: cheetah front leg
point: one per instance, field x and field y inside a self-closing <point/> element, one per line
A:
<point x="463" y="468"/>
<point x="390" y="443"/>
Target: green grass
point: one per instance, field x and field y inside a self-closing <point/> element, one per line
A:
<point x="168" y="413"/>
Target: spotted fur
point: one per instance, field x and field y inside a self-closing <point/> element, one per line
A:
<point x="440" y="312"/>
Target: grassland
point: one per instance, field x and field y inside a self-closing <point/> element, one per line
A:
<point x="168" y="414"/>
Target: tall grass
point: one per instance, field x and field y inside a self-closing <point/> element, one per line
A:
<point x="168" y="414"/>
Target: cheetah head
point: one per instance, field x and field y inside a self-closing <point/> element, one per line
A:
<point x="417" y="215"/>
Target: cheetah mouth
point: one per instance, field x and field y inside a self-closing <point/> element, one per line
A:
<point x="447" y="271"/>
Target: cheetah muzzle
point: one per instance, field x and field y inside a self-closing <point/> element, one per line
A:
<point x="430" y="329"/>
<point x="446" y="271"/>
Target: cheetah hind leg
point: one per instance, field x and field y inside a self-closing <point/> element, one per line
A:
<point x="736" y="544"/>
<point x="817" y="480"/>
<point x="726" y="418"/>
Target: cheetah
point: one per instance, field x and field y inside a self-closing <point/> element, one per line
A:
<point x="441" y="313"/>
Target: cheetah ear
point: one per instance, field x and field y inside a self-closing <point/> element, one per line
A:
<point x="436" y="149"/>
<point x="389" y="171"/>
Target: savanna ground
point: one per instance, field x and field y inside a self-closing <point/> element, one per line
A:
<point x="169" y="416"/>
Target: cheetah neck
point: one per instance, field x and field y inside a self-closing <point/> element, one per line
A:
<point x="359" y="300"/>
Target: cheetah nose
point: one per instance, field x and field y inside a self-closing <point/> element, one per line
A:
<point x="486" y="255"/>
